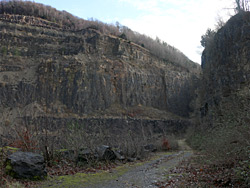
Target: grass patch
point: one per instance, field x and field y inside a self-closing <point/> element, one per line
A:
<point x="88" y="179"/>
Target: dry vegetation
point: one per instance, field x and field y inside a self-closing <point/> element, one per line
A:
<point x="61" y="147"/>
<point x="221" y="132"/>
<point x="222" y="156"/>
<point x="226" y="144"/>
<point x="67" y="21"/>
<point x="221" y="139"/>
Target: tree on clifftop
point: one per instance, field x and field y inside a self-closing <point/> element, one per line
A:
<point x="242" y="5"/>
<point x="207" y="37"/>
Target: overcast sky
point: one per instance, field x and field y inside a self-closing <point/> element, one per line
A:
<point x="180" y="23"/>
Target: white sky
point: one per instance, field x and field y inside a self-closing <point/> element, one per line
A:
<point x="180" y="23"/>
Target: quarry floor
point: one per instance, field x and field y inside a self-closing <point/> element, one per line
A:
<point x="145" y="174"/>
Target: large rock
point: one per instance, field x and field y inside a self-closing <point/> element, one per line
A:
<point x="150" y="147"/>
<point x="105" y="153"/>
<point x="26" y="165"/>
<point x="119" y="155"/>
<point x="86" y="155"/>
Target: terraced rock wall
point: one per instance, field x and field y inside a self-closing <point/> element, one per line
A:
<point x="82" y="72"/>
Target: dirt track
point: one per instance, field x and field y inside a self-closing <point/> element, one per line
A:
<point x="139" y="175"/>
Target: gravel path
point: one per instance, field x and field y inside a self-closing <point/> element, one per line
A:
<point x="139" y="175"/>
<point x="146" y="175"/>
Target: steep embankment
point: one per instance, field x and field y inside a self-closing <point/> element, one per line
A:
<point x="226" y="69"/>
<point x="223" y="131"/>
<point x="48" y="70"/>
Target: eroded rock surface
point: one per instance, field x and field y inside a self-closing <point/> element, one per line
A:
<point x="226" y="71"/>
<point x="48" y="70"/>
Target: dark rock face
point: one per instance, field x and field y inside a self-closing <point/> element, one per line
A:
<point x="26" y="165"/>
<point x="226" y="68"/>
<point x="116" y="126"/>
<point x="85" y="71"/>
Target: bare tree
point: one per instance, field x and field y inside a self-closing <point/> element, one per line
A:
<point x="242" y="5"/>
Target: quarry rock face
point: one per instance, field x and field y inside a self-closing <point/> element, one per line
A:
<point x="46" y="69"/>
<point x="226" y="69"/>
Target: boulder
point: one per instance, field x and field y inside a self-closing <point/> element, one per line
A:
<point x="118" y="155"/>
<point x="26" y="165"/>
<point x="66" y="154"/>
<point x="86" y="155"/>
<point x="131" y="159"/>
<point x="150" y="147"/>
<point x="105" y="153"/>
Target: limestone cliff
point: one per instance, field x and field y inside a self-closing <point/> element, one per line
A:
<point x="46" y="69"/>
<point x="226" y="72"/>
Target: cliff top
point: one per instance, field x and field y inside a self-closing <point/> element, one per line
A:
<point x="27" y="12"/>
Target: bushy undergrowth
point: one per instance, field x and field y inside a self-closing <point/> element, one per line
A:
<point x="57" y="144"/>
<point x="75" y="137"/>
<point x="224" y="140"/>
<point x="129" y="141"/>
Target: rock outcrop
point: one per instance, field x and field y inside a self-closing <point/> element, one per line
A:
<point x="226" y="72"/>
<point x="48" y="70"/>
